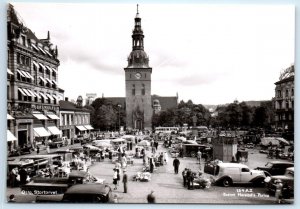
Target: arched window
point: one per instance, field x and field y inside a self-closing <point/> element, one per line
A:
<point x="133" y="89"/>
<point x="143" y="89"/>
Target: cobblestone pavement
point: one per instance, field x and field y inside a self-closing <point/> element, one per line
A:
<point x="168" y="187"/>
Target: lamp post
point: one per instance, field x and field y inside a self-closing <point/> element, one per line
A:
<point x="119" y="108"/>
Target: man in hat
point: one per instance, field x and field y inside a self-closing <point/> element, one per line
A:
<point x="176" y="164"/>
<point x="278" y="192"/>
<point x="125" y="180"/>
<point x="23" y="175"/>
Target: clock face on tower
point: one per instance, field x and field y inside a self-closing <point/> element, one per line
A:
<point x="138" y="75"/>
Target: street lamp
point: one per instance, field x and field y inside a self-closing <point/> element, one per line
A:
<point x="119" y="108"/>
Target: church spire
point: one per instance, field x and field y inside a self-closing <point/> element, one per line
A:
<point x="137" y="34"/>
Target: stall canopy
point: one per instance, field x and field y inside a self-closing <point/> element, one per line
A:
<point x="9" y="117"/>
<point x="273" y="140"/>
<point x="10" y="136"/>
<point x="81" y="128"/>
<point x="54" y="130"/>
<point x="88" y="127"/>
<point x="41" y="132"/>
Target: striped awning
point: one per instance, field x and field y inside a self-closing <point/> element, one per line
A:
<point x="88" y="127"/>
<point x="9" y="117"/>
<point x="40" y="116"/>
<point x="54" y="130"/>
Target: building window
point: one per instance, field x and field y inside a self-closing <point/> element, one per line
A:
<point x="279" y="94"/>
<point x="133" y="89"/>
<point x="18" y="58"/>
<point x="143" y="89"/>
<point x="292" y="92"/>
<point x="23" y="40"/>
<point x="286" y="93"/>
<point x="287" y="104"/>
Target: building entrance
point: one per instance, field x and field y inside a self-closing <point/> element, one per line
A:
<point x="139" y="124"/>
<point x="22" y="138"/>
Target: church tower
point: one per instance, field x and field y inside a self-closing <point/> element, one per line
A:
<point x="138" y="82"/>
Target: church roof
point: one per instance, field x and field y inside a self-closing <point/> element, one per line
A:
<point x="165" y="102"/>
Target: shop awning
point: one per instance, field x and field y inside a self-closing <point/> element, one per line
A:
<point x="10" y="136"/>
<point x="21" y="73"/>
<point x="41" y="132"/>
<point x="49" y="81"/>
<point x="49" y="68"/>
<point x="81" y="128"/>
<point x="36" y="64"/>
<point x="50" y="97"/>
<point x="53" y="116"/>
<point x="54" y="130"/>
<point x="31" y="92"/>
<point x="27" y="75"/>
<point x="88" y="127"/>
<point x="40" y="116"/>
<point x="27" y="92"/>
<point x="9" y="71"/>
<point x="22" y="92"/>
<point x="43" y="95"/>
<point x="9" y="117"/>
<point x="42" y="66"/>
<point x="43" y="79"/>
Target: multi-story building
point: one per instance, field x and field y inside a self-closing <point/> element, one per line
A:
<point x="284" y="100"/>
<point x="74" y="119"/>
<point x="32" y="87"/>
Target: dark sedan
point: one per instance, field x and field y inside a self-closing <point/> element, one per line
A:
<point x="81" y="193"/>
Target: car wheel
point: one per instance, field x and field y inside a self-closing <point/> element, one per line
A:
<point x="259" y="182"/>
<point x="226" y="182"/>
<point x="193" y="154"/>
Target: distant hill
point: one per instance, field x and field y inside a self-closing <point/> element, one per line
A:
<point x="212" y="108"/>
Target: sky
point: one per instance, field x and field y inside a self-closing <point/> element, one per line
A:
<point x="211" y="54"/>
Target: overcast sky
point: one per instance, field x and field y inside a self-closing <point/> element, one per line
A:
<point x="207" y="53"/>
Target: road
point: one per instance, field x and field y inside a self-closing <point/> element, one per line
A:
<point x="168" y="187"/>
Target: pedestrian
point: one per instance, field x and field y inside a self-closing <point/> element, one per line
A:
<point x="151" y="162"/>
<point x="13" y="176"/>
<point x="118" y="176"/>
<point x="176" y="164"/>
<point x="125" y="180"/>
<point x="188" y="178"/>
<point x="199" y="157"/>
<point x="110" y="155"/>
<point x="151" y="197"/>
<point x="115" y="178"/>
<point x="156" y="144"/>
<point x="184" y="173"/>
<point x="278" y="191"/>
<point x="23" y="176"/>
<point x="123" y="161"/>
<point x="38" y="150"/>
<point x="166" y="157"/>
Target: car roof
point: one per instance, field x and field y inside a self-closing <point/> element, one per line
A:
<point x="281" y="162"/>
<point x="233" y="165"/>
<point x="87" y="189"/>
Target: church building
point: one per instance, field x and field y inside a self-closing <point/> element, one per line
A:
<point x="139" y="104"/>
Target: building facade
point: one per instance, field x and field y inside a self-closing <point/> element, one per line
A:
<point x="284" y="100"/>
<point x="138" y="83"/>
<point x="32" y="87"/>
<point x="74" y="119"/>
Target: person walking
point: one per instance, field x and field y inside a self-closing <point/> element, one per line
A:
<point x="125" y="180"/>
<point x="199" y="156"/>
<point x="188" y="178"/>
<point x="115" y="178"/>
<point x="184" y="173"/>
<point x="278" y="191"/>
<point x="38" y="150"/>
<point x="176" y="164"/>
<point x="151" y="162"/>
<point x="151" y="197"/>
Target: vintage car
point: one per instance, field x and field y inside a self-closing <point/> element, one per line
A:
<point x="58" y="185"/>
<point x="227" y="174"/>
<point x="287" y="181"/>
<point x="275" y="167"/>
<point x="56" y="143"/>
<point x="82" y="193"/>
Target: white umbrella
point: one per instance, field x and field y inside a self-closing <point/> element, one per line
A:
<point x="282" y="140"/>
<point x="144" y="143"/>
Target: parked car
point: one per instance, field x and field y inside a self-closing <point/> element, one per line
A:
<point x="275" y="168"/>
<point x="287" y="181"/>
<point x="227" y="174"/>
<point x="56" y="143"/>
<point x="81" y="193"/>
